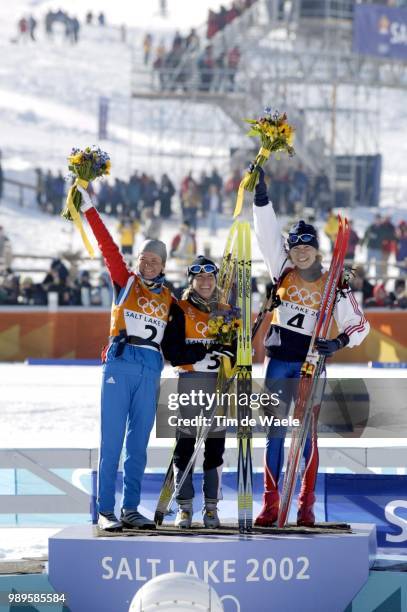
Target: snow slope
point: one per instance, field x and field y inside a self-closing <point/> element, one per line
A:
<point x="49" y="93"/>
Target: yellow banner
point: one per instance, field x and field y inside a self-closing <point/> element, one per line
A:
<point x="240" y="195"/>
<point x="76" y="216"/>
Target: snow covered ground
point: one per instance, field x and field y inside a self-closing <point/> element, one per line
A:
<point x="23" y="542"/>
<point x="58" y="406"/>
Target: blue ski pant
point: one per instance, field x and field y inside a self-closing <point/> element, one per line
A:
<point x="130" y="387"/>
<point x="280" y="378"/>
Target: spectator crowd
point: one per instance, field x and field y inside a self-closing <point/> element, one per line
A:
<point x="56" y="20"/>
<point x="143" y="198"/>
<point x="186" y="64"/>
<point x="218" y="20"/>
<point x="70" y="287"/>
<point x="141" y="204"/>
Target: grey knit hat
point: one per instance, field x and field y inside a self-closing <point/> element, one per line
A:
<point x="155" y="246"/>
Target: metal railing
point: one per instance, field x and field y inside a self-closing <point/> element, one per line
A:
<point x="20" y="193"/>
<point x="73" y="498"/>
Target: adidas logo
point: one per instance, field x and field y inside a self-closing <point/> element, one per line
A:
<point x="111" y="380"/>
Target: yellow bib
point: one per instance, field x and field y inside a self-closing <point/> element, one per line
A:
<point x="196" y="330"/>
<point x="141" y="313"/>
<point x="300" y="301"/>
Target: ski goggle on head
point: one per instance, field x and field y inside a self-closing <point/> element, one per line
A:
<point x="198" y="269"/>
<point x="301" y="238"/>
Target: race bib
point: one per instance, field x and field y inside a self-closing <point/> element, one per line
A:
<point x="149" y="330"/>
<point x="210" y="363"/>
<point x="296" y="317"/>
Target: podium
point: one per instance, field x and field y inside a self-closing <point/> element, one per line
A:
<point x="261" y="571"/>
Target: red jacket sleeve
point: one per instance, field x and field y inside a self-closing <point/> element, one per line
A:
<point x="119" y="273"/>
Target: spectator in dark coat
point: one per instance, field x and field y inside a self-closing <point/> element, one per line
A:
<point x="9" y="287"/>
<point x="401" y="253"/>
<point x="352" y="244"/>
<point x="58" y="193"/>
<point x="206" y="66"/>
<point x="233" y="63"/>
<point x="301" y="183"/>
<point x="32" y="294"/>
<point x="388" y="243"/>
<point x="133" y="195"/>
<point x="105" y="197"/>
<point x="149" y="191"/>
<point x="373" y="239"/>
<point x="166" y="192"/>
<point x="360" y="286"/>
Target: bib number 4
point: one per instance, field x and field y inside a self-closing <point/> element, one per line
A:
<point x="297" y="321"/>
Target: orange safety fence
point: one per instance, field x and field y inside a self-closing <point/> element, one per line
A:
<point x="81" y="333"/>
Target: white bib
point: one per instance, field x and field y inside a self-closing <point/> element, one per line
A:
<point x="210" y="363"/>
<point x="296" y="317"/>
<point x="150" y="330"/>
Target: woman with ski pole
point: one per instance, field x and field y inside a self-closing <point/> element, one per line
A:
<point x="188" y="345"/>
<point x="301" y="281"/>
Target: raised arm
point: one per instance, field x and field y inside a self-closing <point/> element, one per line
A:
<point x="267" y="230"/>
<point x="119" y="273"/>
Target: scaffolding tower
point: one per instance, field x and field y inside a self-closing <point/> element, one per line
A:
<point x="294" y="56"/>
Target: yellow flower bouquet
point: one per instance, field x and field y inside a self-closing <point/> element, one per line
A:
<point x="276" y="135"/>
<point x="85" y="166"/>
<point x="223" y="325"/>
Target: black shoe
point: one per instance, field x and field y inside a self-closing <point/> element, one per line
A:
<point x="132" y="519"/>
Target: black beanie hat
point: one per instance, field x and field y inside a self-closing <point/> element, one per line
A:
<point x="200" y="260"/>
<point x="303" y="228"/>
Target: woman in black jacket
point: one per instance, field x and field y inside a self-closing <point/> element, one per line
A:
<point x="188" y="345"/>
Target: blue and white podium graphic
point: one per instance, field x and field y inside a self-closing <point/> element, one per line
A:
<point x="319" y="572"/>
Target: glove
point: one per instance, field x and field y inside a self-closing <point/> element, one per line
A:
<point x="329" y="347"/>
<point x="261" y="196"/>
<point x="86" y="199"/>
<point x="223" y="350"/>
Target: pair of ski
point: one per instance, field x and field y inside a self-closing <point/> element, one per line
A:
<point x="234" y="277"/>
<point x="309" y="389"/>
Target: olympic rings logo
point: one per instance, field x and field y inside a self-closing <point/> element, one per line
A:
<point x="303" y="296"/>
<point x="201" y="328"/>
<point x="152" y="307"/>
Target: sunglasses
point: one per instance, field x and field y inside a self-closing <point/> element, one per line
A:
<point x="197" y="269"/>
<point x="304" y="238"/>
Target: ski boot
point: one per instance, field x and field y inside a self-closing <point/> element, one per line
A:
<point x="210" y="514"/>
<point x="107" y="521"/>
<point x="183" y="520"/>
<point x="305" y="514"/>
<point x="269" y="513"/>
<point x="132" y="519"/>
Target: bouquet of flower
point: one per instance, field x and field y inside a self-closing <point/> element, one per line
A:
<point x="275" y="135"/>
<point x="223" y="325"/>
<point x="85" y="166"/>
